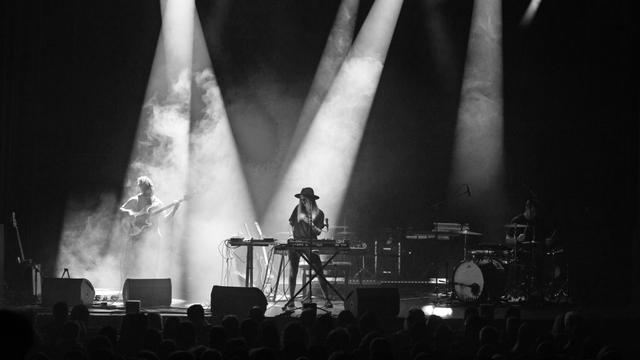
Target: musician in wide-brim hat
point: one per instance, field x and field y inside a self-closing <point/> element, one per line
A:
<point x="307" y="222"/>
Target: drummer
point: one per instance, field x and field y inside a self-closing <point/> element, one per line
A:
<point x="528" y="228"/>
<point x="529" y="232"/>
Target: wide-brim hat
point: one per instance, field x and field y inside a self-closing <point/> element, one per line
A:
<point x="308" y="193"/>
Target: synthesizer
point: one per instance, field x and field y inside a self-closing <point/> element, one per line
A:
<point x="238" y="241"/>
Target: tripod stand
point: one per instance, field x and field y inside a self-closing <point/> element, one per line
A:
<point x="362" y="270"/>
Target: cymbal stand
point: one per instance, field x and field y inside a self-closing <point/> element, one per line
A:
<point x="466" y="248"/>
<point x="362" y="270"/>
<point x="463" y="189"/>
<point x="517" y="284"/>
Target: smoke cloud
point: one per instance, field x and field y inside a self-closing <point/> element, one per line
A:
<point x="223" y="203"/>
<point x="94" y="241"/>
<point x="86" y="249"/>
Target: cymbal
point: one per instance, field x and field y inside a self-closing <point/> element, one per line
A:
<point x="472" y="233"/>
<point x="516" y="226"/>
<point x="492" y="246"/>
<point x="529" y="242"/>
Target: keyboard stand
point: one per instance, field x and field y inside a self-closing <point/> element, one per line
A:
<point x="316" y="272"/>
<point x="281" y="274"/>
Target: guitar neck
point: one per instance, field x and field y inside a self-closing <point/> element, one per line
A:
<point x="155" y="212"/>
<point x="15" y="225"/>
<point x="20" y="244"/>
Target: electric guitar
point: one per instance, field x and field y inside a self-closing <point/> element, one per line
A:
<point x="141" y="220"/>
<point x="21" y="258"/>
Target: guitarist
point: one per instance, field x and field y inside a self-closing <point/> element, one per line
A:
<point x="138" y="208"/>
<point x="138" y="212"/>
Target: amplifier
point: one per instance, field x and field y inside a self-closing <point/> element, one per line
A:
<point x="388" y="248"/>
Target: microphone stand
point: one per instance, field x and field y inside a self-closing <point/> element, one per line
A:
<point x="437" y="206"/>
<point x="312" y="231"/>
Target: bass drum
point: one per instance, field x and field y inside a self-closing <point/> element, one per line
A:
<point x="483" y="279"/>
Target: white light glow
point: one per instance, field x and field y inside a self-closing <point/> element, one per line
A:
<point x="328" y="150"/>
<point x="443" y="312"/>
<point x="93" y="243"/>
<point x="335" y="51"/>
<point x="478" y="152"/>
<point x="185" y="150"/>
<point x="222" y="203"/>
<point x="530" y="14"/>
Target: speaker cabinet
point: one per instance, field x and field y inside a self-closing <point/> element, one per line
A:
<point x="384" y="301"/>
<point x="387" y="254"/>
<point x="71" y="291"/>
<point x="150" y="292"/>
<point x="238" y="301"/>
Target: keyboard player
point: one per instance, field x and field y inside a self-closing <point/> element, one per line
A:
<point x="307" y="222"/>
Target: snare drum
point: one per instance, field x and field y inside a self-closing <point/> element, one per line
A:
<point x="483" y="279"/>
<point x="480" y="254"/>
<point x="484" y="251"/>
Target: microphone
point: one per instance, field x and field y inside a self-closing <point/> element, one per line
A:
<point x="326" y="223"/>
<point x="468" y="190"/>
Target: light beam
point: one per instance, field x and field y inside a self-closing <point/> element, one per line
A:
<point x="328" y="150"/>
<point x="478" y="151"/>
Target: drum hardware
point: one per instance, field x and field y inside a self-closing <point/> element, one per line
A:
<point x="497" y="273"/>
<point x="466" y="234"/>
<point x="475" y="280"/>
<point x="516" y="226"/>
<point x="515" y="270"/>
<point x="475" y="288"/>
<point x="554" y="252"/>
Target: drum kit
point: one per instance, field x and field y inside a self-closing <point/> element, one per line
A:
<point x="513" y="271"/>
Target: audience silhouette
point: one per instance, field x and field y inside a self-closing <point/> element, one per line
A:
<point x="150" y="336"/>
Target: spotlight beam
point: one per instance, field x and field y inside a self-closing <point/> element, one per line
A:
<point x="222" y="203"/>
<point x="160" y="151"/>
<point x="478" y="151"/>
<point x="335" y="51"/>
<point x="328" y="150"/>
<point x="531" y="12"/>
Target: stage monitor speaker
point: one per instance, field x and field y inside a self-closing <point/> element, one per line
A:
<point x="383" y="301"/>
<point x="238" y="301"/>
<point x="150" y="292"/>
<point x="71" y="291"/>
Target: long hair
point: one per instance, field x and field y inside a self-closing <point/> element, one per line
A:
<point x="302" y="210"/>
<point x="145" y="181"/>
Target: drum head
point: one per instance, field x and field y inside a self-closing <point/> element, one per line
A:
<point x="468" y="281"/>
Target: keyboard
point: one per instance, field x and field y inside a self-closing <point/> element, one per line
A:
<point x="315" y="244"/>
<point x="238" y="241"/>
<point x="430" y="235"/>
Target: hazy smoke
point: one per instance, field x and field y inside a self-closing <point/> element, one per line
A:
<point x="94" y="243"/>
<point x="86" y="249"/>
<point x="162" y="147"/>
<point x="223" y="202"/>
